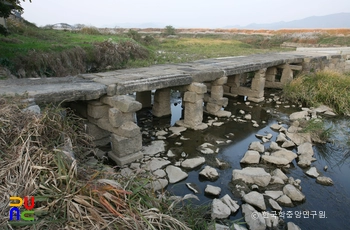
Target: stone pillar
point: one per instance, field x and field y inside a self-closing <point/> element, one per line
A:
<point x="234" y="83"/>
<point x="271" y="78"/>
<point x="258" y="85"/>
<point x="287" y="74"/>
<point x="116" y="114"/>
<point x="145" y="98"/>
<point x="193" y="101"/>
<point x="216" y="100"/>
<point x="161" y="104"/>
<point x="271" y="74"/>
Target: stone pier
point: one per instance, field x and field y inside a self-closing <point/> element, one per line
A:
<point x="217" y="101"/>
<point x="161" y="105"/>
<point x="255" y="92"/>
<point x="193" y="106"/>
<point x="273" y="80"/>
<point x="116" y="114"/>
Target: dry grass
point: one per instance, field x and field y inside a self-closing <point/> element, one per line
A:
<point x="41" y="156"/>
<point x="116" y="55"/>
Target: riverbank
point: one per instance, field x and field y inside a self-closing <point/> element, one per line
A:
<point x="30" y="51"/>
<point x="46" y="154"/>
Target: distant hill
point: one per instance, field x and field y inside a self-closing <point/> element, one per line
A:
<point x="340" y="20"/>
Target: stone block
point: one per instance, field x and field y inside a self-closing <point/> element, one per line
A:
<point x="222" y="101"/>
<point x="227" y="89"/>
<point x="97" y="111"/>
<point x="161" y="109"/>
<point x="217" y="92"/>
<point x="126" y="159"/>
<point x="207" y="74"/>
<point x="220" y="81"/>
<point x="197" y="88"/>
<point x="161" y="104"/>
<point x="162" y="94"/>
<point x="115" y="117"/>
<point x="103" y="123"/>
<point x="102" y="142"/>
<point x="118" y="118"/>
<point x="192" y="97"/>
<point x="96" y="132"/>
<point x="234" y="81"/>
<point x="123" y="146"/>
<point x="128" y="129"/>
<point x="271" y="74"/>
<point x="201" y="126"/>
<point x="256" y="99"/>
<point x="213" y="108"/>
<point x="111" y="89"/>
<point x="193" y="113"/>
<point x="124" y="103"/>
<point x="258" y="84"/>
<point x="287" y="75"/>
<point x="95" y="102"/>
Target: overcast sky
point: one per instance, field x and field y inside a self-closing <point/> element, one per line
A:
<point x="178" y="13"/>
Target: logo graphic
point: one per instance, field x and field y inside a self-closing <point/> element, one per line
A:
<point x="25" y="215"/>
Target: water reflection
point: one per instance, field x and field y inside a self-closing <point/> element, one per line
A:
<point x="337" y="151"/>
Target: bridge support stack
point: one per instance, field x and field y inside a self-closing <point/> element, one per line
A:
<point x="161" y="104"/>
<point x="216" y="100"/>
<point x="233" y="82"/>
<point x="256" y="92"/>
<point x="193" y="105"/>
<point x="286" y="76"/>
<point x="116" y="114"/>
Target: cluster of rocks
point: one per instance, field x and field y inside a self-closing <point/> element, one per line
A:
<point x="263" y="188"/>
<point x="262" y="183"/>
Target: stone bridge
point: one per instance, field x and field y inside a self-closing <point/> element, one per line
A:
<point x="109" y="103"/>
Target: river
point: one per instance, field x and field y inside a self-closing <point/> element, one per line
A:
<point x="331" y="204"/>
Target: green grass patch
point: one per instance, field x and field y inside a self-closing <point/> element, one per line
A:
<point x="326" y="87"/>
<point x="338" y="40"/>
<point x="30" y="51"/>
<point x="187" y="49"/>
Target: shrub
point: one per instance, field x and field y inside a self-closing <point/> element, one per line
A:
<point x="149" y="40"/>
<point x="90" y="30"/>
<point x="169" y="30"/>
<point x="133" y="34"/>
<point x="117" y="55"/>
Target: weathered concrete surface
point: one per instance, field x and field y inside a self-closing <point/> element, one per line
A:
<point x="46" y="90"/>
<point x="119" y="82"/>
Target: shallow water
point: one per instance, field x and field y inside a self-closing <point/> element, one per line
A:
<point x="331" y="201"/>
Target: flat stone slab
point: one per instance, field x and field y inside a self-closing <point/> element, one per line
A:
<point x="252" y="175"/>
<point x="175" y="174"/>
<point x="193" y="162"/>
<point x="47" y="90"/>
<point x="119" y="82"/>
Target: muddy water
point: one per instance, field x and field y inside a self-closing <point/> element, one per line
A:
<point x="330" y="203"/>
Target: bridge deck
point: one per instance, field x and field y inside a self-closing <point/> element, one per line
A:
<point x="93" y="86"/>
